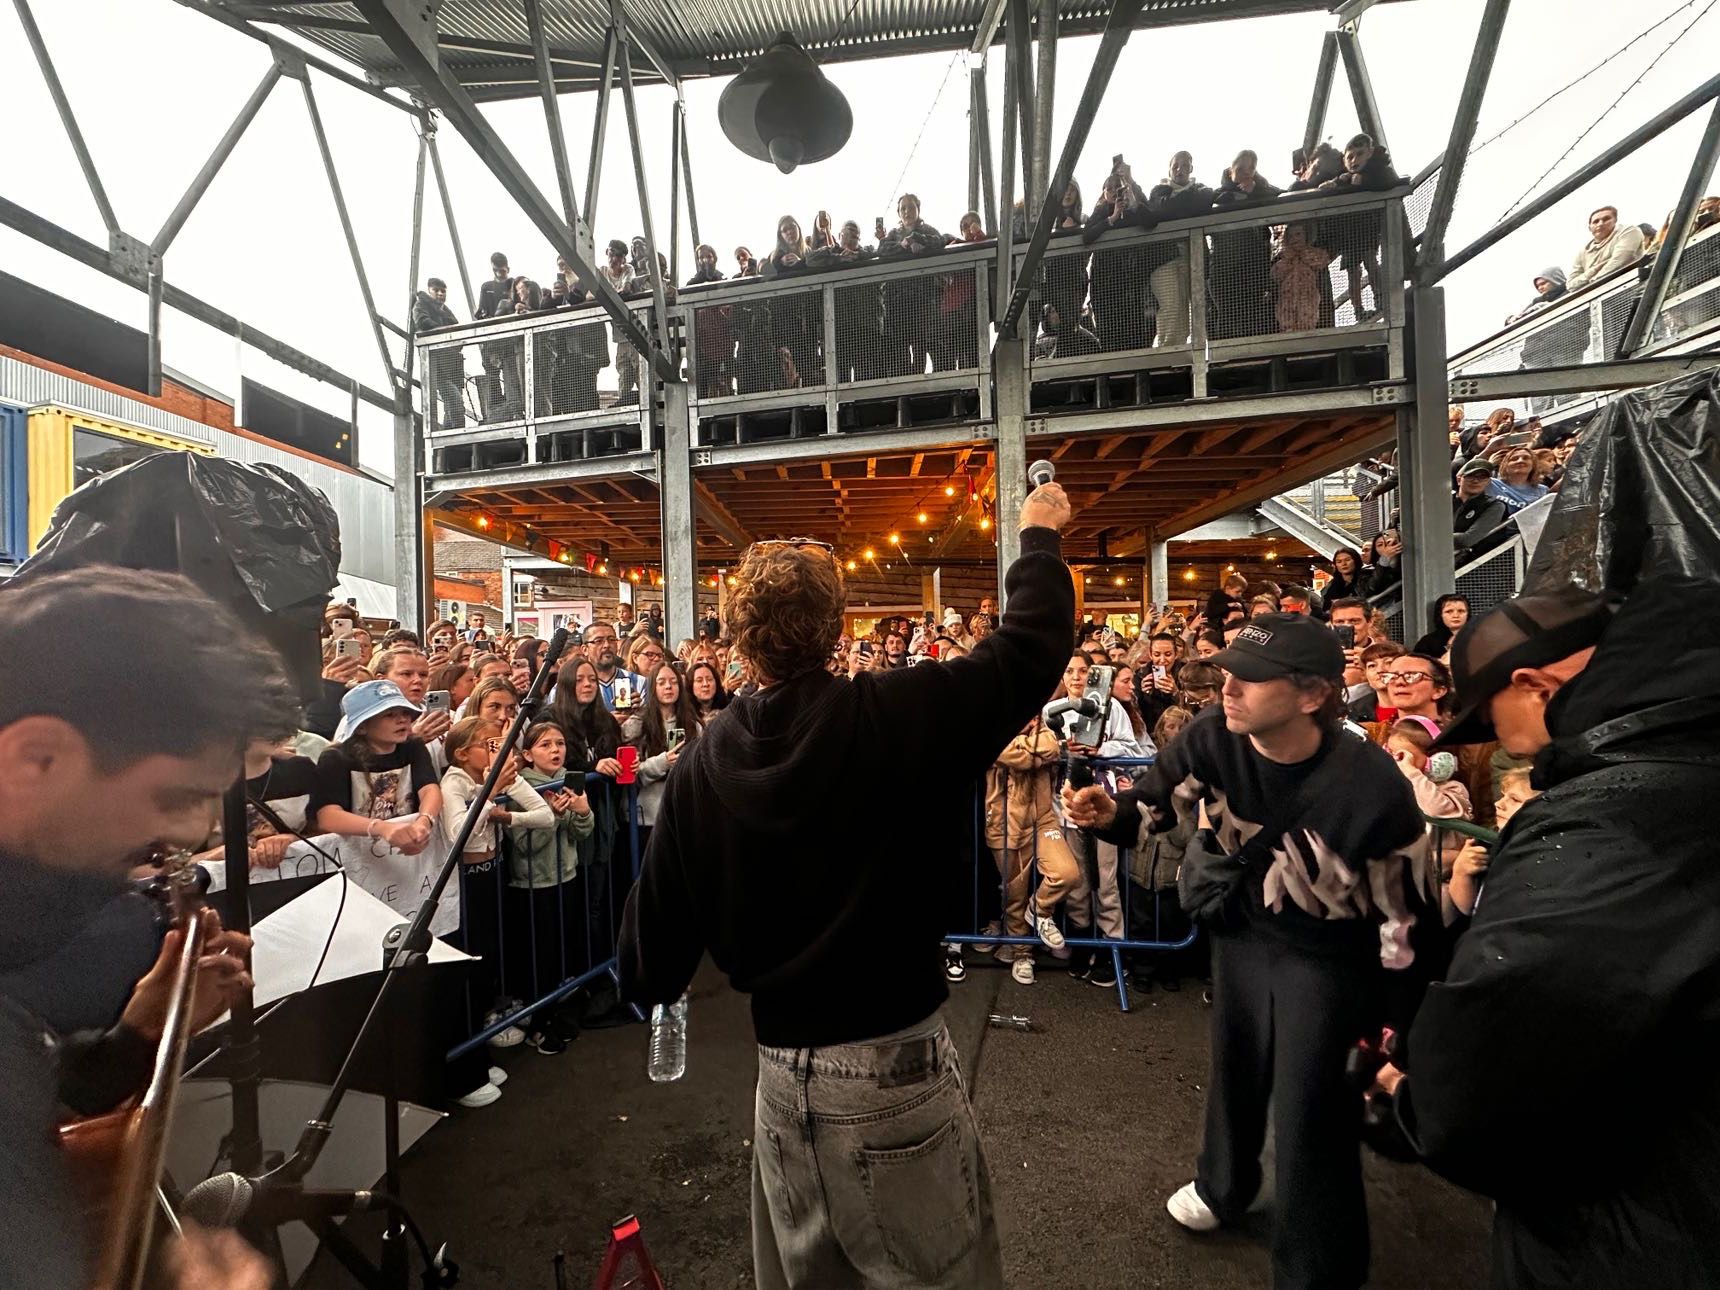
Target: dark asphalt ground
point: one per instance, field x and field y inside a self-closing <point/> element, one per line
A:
<point x="1089" y="1123"/>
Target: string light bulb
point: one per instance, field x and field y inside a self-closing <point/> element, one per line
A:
<point x="483" y="521"/>
<point x="1118" y="580"/>
<point x="868" y="554"/>
<point x="921" y="517"/>
<point x="602" y="569"/>
<point x="895" y="539"/>
<point x="1272" y="555"/>
<point x="984" y="523"/>
<point x="852" y="566"/>
<point x="949" y="490"/>
<point x="1188" y="575"/>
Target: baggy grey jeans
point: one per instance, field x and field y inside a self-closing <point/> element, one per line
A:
<point x="868" y="1170"/>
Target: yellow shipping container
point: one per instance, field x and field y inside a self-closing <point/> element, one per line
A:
<point x="68" y="447"/>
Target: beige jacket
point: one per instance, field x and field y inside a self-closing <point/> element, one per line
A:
<point x="1597" y="259"/>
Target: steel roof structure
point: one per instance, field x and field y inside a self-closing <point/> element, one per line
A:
<point x="487" y="46"/>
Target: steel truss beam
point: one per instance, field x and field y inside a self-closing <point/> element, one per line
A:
<point x="224" y="149"/>
<point x="1117" y="30"/>
<point x="551" y="111"/>
<point x="1462" y="135"/>
<point x="346" y="229"/>
<point x="1623" y="374"/>
<point x="1678" y="233"/>
<point x="1361" y="85"/>
<point x="687" y="173"/>
<point x="1044" y="96"/>
<point x="73" y="247"/>
<point x="1322" y="99"/>
<point x="659" y="298"/>
<point x="1650" y="129"/>
<point x="68" y="120"/>
<point x="429" y="126"/>
<point x="448" y="95"/>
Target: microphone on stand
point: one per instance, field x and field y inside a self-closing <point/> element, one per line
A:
<point x="225" y="1200"/>
<point x="1041" y="473"/>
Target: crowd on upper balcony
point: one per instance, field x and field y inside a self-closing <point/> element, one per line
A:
<point x="1260" y="279"/>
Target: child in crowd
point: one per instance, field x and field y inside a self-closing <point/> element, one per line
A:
<point x="1410" y="742"/>
<point x="543" y="898"/>
<point x="1296" y="272"/>
<point x="377" y="780"/>
<point x="472" y="745"/>
<point x="1469" y="869"/>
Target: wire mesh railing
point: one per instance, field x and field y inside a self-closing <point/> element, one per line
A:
<point x="553" y="386"/>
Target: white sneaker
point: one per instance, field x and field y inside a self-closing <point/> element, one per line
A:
<point x="483" y="1095"/>
<point x="504" y="1038"/>
<point x="498" y="1076"/>
<point x="1047" y="931"/>
<point x="1191" y="1211"/>
<point x="1022" y="970"/>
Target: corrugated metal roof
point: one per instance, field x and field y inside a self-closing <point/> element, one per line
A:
<point x="486" y="45"/>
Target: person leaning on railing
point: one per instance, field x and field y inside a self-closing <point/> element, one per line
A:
<point x="767" y="853"/>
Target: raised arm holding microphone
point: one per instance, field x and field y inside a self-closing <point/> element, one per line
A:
<point x="774" y="850"/>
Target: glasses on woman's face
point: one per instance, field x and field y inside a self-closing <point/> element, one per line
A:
<point x="650" y="656"/>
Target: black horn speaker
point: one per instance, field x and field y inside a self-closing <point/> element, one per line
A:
<point x="784" y="110"/>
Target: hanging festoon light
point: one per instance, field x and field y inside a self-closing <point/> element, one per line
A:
<point x="784" y="110"/>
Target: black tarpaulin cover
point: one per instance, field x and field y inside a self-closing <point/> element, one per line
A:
<point x="1641" y="493"/>
<point x="255" y="538"/>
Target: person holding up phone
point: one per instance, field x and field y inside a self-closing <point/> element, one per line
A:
<point x="659" y="731"/>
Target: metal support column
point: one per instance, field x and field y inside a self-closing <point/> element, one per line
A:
<point x="687" y="176"/>
<point x="1678" y="232"/>
<point x="1005" y="229"/>
<point x="156" y="283"/>
<point x="1010" y="370"/>
<point x="410" y="571"/>
<point x="1018" y="48"/>
<point x="1462" y="136"/>
<point x="1424" y="469"/>
<point x="1158" y="573"/>
<point x="1044" y="99"/>
<point x="1118" y="26"/>
<point x="63" y="106"/>
<point x="677" y="123"/>
<point x="987" y="181"/>
<point x="346" y="228"/>
<point x="1322" y="93"/>
<point x="217" y="159"/>
<point x="448" y="216"/>
<point x="659" y="300"/>
<point x="551" y="111"/>
<point x="413" y="259"/>
<point x="675" y="490"/>
<point x="976" y="143"/>
<point x="600" y="122"/>
<point x="1361" y="85"/>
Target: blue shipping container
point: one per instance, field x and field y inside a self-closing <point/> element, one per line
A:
<point x="14" y="485"/>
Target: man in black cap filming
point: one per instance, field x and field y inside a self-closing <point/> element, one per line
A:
<point x="1565" y="1067"/>
<point x="1312" y="882"/>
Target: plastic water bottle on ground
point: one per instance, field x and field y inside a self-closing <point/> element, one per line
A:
<point x="668" y="1057"/>
<point x="1003" y="1022"/>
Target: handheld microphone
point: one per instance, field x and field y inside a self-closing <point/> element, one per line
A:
<point x="1041" y="472"/>
<point x="228" y="1199"/>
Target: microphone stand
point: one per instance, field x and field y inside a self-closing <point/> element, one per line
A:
<point x="406" y="946"/>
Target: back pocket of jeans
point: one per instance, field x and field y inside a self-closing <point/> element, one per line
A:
<point x="923" y="1200"/>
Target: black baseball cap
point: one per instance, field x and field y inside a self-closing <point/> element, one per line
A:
<point x="1526" y="631"/>
<point x="1274" y="645"/>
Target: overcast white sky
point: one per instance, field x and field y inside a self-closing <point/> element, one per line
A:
<point x="154" y="85"/>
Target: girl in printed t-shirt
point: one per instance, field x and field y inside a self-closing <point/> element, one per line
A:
<point x="377" y="780"/>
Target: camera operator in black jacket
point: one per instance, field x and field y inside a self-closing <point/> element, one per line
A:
<point x="867" y="1166"/>
<point x="1565" y="1065"/>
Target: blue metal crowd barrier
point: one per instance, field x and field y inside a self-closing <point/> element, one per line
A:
<point x="614" y="797"/>
<point x="1114" y="946"/>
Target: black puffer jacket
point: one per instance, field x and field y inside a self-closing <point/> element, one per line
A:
<point x="1566" y="1067"/>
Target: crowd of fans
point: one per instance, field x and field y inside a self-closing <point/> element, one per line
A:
<point x="1261" y="279"/>
<point x="409" y="725"/>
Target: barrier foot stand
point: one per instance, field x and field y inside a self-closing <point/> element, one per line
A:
<point x="615" y="976"/>
<point x="1122" y="979"/>
<point x="626" y="1262"/>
